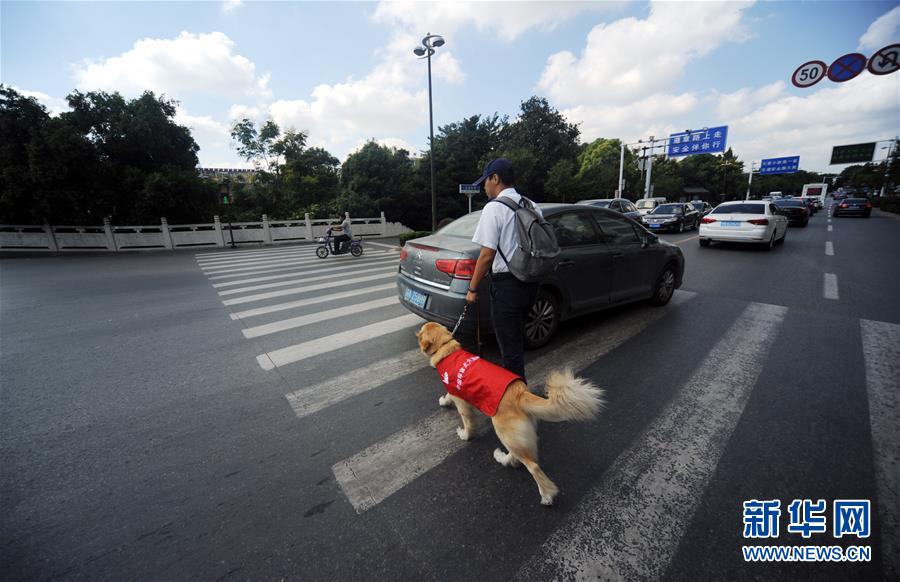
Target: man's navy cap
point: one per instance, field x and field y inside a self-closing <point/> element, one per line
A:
<point x="495" y="166"/>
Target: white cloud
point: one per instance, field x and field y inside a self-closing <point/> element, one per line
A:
<point x="213" y="137"/>
<point x="238" y="112"/>
<point x="884" y="31"/>
<point x="632" y="121"/>
<point x="632" y="58"/>
<point x="508" y="20"/>
<point x="391" y="142"/>
<point x="862" y="110"/>
<point x="200" y="63"/>
<point x="54" y="105"/>
<point x="231" y="5"/>
<point x="447" y="68"/>
<point x="742" y="101"/>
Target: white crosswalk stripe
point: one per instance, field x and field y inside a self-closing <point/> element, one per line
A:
<point x="307" y="288"/>
<point x="293" y="273"/>
<point x="246" y="314"/>
<point x="295" y="322"/>
<point x="373" y="475"/>
<point x="281" y="262"/>
<point x="881" y="349"/>
<point x="329" y="277"/>
<point x="658" y="482"/>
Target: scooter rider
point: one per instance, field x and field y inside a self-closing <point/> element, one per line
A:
<point x="345" y="234"/>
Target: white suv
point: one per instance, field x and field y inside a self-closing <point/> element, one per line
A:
<point x="645" y="205"/>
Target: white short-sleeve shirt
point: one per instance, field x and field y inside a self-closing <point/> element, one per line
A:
<point x="497" y="226"/>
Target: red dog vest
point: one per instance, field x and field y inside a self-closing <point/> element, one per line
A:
<point x="481" y="384"/>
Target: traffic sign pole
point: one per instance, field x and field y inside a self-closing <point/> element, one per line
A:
<point x="750" y="180"/>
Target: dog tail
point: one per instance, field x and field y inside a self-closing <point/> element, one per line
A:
<point x="568" y="398"/>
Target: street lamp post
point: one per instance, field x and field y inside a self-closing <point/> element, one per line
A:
<point x="429" y="43"/>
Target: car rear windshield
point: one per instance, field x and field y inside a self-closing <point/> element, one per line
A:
<point x="667" y="209"/>
<point x="797" y="203"/>
<point x="741" y="209"/>
<point x="856" y="200"/>
<point x="462" y="227"/>
<point x="598" y="203"/>
<point x="646" y="203"/>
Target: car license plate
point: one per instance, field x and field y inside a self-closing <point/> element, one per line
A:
<point x="655" y="226"/>
<point x="731" y="223"/>
<point x="416" y="298"/>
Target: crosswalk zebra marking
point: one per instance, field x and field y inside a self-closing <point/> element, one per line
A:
<point x="385" y="261"/>
<point x="311" y="301"/>
<point x="629" y="525"/>
<point x="379" y="471"/>
<point x="881" y="351"/>
<point x="337" y="341"/>
<point x="329" y="277"/>
<point x="305" y="289"/>
<point x="297" y="322"/>
<point x="273" y="263"/>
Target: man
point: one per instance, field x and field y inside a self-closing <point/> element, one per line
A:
<point x="510" y="298"/>
<point x="344" y="233"/>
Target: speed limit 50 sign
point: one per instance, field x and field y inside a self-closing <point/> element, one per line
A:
<point x="808" y="74"/>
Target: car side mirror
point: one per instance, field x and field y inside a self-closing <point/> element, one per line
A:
<point x="648" y="239"/>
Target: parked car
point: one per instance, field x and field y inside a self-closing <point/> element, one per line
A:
<point x="853" y="207"/>
<point x="645" y="205"/>
<point x="744" y="221"/>
<point x="702" y="207"/>
<point x="607" y="260"/>
<point x="796" y="211"/>
<point x="620" y="205"/>
<point x="674" y="216"/>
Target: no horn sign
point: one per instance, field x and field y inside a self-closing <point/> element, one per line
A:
<point x="847" y="67"/>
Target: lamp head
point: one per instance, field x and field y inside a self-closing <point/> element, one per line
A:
<point x="419" y="51"/>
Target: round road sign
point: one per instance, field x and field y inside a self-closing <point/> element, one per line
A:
<point x="846" y="67"/>
<point x="885" y="61"/>
<point x="808" y="74"/>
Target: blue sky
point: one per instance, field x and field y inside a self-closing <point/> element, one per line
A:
<point x="344" y="71"/>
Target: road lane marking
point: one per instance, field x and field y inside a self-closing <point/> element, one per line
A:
<point x="337" y="341"/>
<point x="392" y="247"/>
<point x="678" y="242"/>
<point x="294" y="268"/>
<point x="629" y="525"/>
<point x="881" y="350"/>
<point x="829" y="248"/>
<point x="249" y="252"/>
<point x="830" y="228"/>
<point x="276" y="263"/>
<point x="830" y="286"/>
<point x="330" y="269"/>
<point x="328" y="314"/>
<point x="305" y="289"/>
<point x="374" y="474"/>
<point x="311" y="301"/>
<point x="329" y="277"/>
<point x="307" y="252"/>
<point x="319" y="396"/>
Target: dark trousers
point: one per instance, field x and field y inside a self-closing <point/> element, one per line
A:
<point x="510" y="301"/>
<point x="338" y="240"/>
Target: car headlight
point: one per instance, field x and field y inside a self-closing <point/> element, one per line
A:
<point x="670" y="220"/>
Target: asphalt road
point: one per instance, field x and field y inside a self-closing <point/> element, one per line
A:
<point x="155" y="427"/>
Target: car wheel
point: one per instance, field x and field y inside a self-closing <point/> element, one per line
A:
<point x="704" y="242"/>
<point x="680" y="227"/>
<point x="805" y="222"/>
<point x="769" y="245"/>
<point x="322" y="252"/>
<point x="542" y="320"/>
<point x="781" y="240"/>
<point x="665" y="287"/>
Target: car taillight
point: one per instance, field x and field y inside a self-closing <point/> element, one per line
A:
<point x="403" y="254"/>
<point x="705" y="220"/>
<point x="843" y="205"/>
<point x="759" y="221"/>
<point x="868" y="205"/>
<point x="459" y="268"/>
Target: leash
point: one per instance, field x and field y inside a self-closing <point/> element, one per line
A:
<point x="459" y="321"/>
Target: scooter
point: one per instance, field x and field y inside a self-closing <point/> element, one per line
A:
<point x="353" y="246"/>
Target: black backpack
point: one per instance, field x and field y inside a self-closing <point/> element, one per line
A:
<point x="538" y="252"/>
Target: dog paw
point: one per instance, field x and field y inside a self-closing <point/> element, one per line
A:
<point x="461" y="432"/>
<point x="445" y="401"/>
<point x="546" y="501"/>
<point x="501" y="457"/>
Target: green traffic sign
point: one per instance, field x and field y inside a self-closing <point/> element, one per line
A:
<point x="853" y="154"/>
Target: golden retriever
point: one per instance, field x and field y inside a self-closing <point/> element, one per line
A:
<point x="515" y="420"/>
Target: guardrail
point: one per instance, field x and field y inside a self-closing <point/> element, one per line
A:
<point x="165" y="236"/>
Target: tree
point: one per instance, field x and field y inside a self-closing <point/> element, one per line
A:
<point x="598" y="169"/>
<point x="260" y="146"/>
<point x="378" y="178"/>
<point x="543" y="132"/>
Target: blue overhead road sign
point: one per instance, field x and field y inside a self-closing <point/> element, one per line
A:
<point x="786" y="165"/>
<point x="703" y="141"/>
<point x="469" y="188"/>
